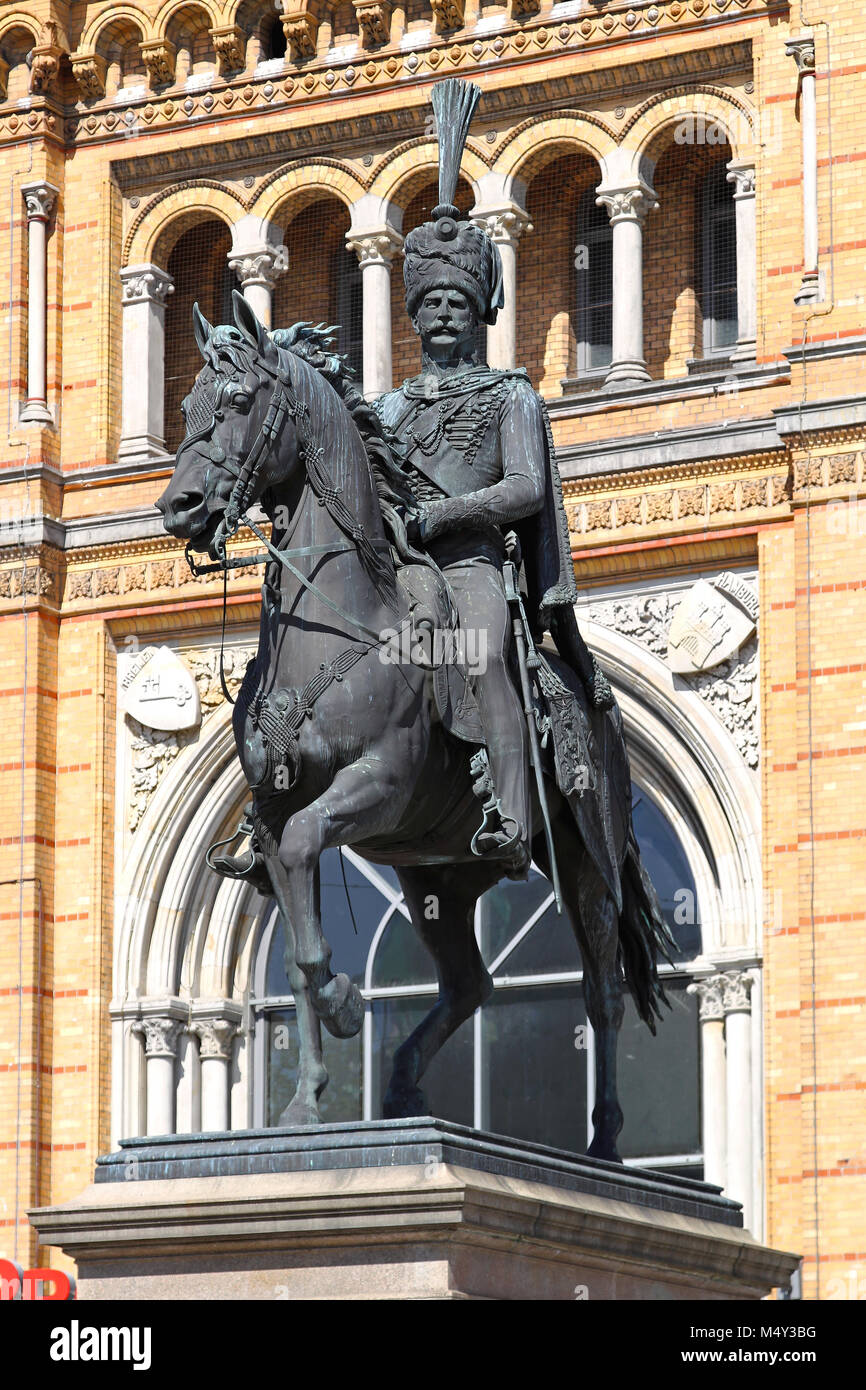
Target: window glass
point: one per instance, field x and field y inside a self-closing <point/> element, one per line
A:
<point x="594" y="269"/>
<point x="720" y="261"/>
<point x="534" y="1077"/>
<point x="447" y="1083"/>
<point x="660" y="1078"/>
<point x="341" y="1098"/>
<point x="401" y="957"/>
<point x="664" y="860"/>
<point x="505" y="908"/>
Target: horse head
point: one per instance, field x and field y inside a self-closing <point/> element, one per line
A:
<point x="240" y="402"/>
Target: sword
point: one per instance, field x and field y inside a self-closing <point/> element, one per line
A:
<point x="523" y="642"/>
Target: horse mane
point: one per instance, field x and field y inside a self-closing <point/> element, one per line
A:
<point x="315" y="344"/>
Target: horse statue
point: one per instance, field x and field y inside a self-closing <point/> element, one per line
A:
<point x="342" y="747"/>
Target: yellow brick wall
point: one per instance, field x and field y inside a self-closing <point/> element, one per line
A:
<point x="57" y="734"/>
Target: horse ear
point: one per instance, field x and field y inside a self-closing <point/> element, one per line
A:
<point x="246" y="321"/>
<point x="202" y="329"/>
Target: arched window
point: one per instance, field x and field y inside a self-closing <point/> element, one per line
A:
<point x="524" y="1064"/>
<point x="198" y="266"/>
<point x="593" y="263"/>
<point x="273" y="42"/>
<point x="719" y="262"/>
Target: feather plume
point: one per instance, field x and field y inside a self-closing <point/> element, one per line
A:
<point x="454" y="102"/>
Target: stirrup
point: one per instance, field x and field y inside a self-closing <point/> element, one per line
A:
<point x="250" y="868"/>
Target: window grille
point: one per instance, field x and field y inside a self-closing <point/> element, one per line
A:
<point x="719" y="257"/>
<point x="594" y="267"/>
<point x="199" y="267"/>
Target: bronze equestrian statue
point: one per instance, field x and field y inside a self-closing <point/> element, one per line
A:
<point x="409" y="516"/>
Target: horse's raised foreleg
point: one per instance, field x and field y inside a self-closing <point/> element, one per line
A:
<point x="595" y="923"/>
<point x="441" y="901"/>
<point x="360" y="802"/>
<point x="303" y="1109"/>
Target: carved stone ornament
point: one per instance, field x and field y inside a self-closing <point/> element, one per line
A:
<point x="711" y="623"/>
<point x="39" y="200"/>
<point x="301" y="29"/>
<point x="160" y="1035"/>
<point x="45" y="58"/>
<point x="374" y="21"/>
<point x="159" y="691"/>
<point x="736" y="991"/>
<point x="376" y="247"/>
<point x="710" y="993"/>
<point x="628" y="204"/>
<point x="88" y="69"/>
<point x="230" y="49"/>
<point x="448" y="14"/>
<point x="524" y="9"/>
<point x="730" y="689"/>
<point x="159" y="57"/>
<point x="215" y="1037"/>
<point x="261" y="266"/>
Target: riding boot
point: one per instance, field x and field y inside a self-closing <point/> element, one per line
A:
<point x="504" y="726"/>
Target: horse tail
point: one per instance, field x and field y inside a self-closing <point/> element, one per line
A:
<point x="644" y="936"/>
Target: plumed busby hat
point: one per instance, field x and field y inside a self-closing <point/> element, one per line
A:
<point x="450" y="251"/>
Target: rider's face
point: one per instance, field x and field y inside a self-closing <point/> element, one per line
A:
<point x="446" y="321"/>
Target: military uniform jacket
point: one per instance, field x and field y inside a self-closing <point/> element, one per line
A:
<point x="480" y="440"/>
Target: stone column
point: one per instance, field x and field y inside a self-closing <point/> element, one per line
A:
<point x="736" y="989"/>
<point x="713" y="1077"/>
<point x="215" y="1037"/>
<point x="258" y="268"/>
<point x="39" y="200"/>
<point x="145" y="290"/>
<point x="160" y="1041"/>
<point x="741" y="173"/>
<point x="802" y="50"/>
<point x="376" y="250"/>
<point x="504" y="225"/>
<point x="627" y="208"/>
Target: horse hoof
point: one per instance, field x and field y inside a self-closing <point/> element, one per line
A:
<point x="340" y="1007"/>
<point x="598" y="1149"/>
<point x="300" y="1112"/>
<point x="404" y="1104"/>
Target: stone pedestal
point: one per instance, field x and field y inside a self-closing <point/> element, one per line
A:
<point x="398" y="1210"/>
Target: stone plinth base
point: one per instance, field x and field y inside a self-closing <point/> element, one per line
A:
<point x="397" y="1209"/>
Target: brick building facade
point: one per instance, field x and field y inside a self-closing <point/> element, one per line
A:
<point x="676" y="191"/>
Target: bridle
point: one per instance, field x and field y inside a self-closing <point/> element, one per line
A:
<point x="284" y="404"/>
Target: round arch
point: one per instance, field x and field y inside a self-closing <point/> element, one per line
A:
<point x="644" y="135"/>
<point x="156" y="229"/>
<point x="301" y="183"/>
<point x="18" y="19"/>
<point x="164" y="15"/>
<point x="537" y="142"/>
<point x="416" y="162"/>
<point x="90" y="39"/>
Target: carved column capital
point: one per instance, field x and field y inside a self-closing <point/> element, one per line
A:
<point x="215" y="1037"/>
<point x="160" y="58"/>
<point x="741" y="173"/>
<point x="736" y="989"/>
<point x="630" y="204"/>
<point x="710" y="994"/>
<point x="88" y="69"/>
<point x="301" y="28"/>
<point x="260" y="265"/>
<point x="160" y="1035"/>
<point x="505" y="225"/>
<point x="45" y="59"/>
<point x="374" y="21"/>
<point x="448" y="14"/>
<point x="145" y="284"/>
<point x="378" y="246"/>
<point x="229" y="47"/>
<point x="39" y="200"/>
<point x="802" y="50"/>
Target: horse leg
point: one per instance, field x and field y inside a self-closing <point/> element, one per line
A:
<point x="303" y="1108"/>
<point x="595" y="923"/>
<point x="359" y="802"/>
<point x="463" y="980"/>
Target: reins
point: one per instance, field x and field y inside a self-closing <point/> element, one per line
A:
<point x="282" y="405"/>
